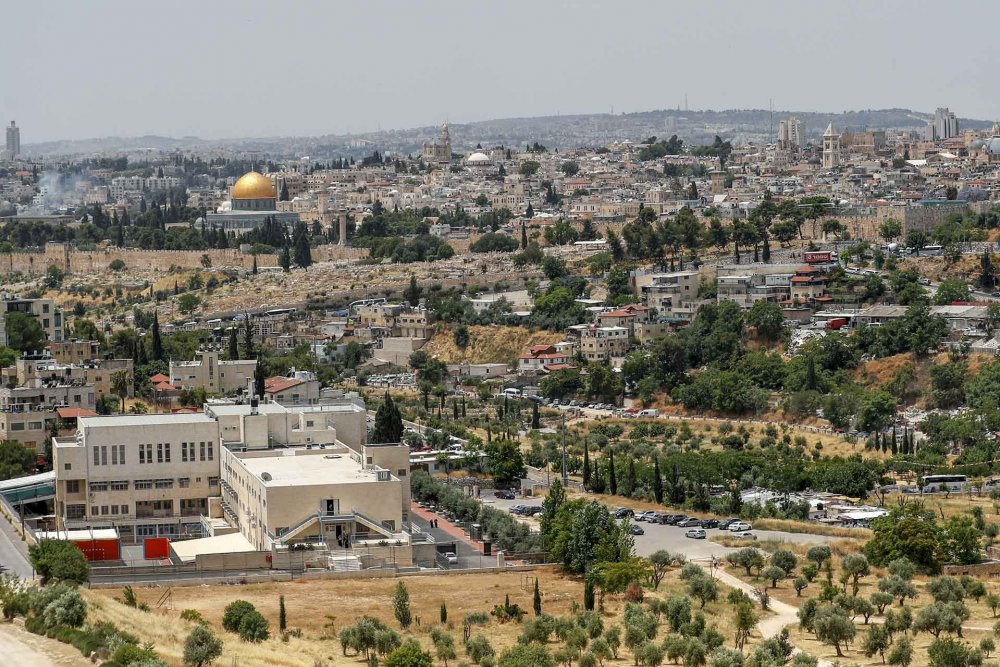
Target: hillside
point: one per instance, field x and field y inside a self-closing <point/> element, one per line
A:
<point x="491" y="344"/>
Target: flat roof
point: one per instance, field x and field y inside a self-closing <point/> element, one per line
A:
<point x="154" y="419"/>
<point x="187" y="550"/>
<point x="302" y="467"/>
<point x="79" y="535"/>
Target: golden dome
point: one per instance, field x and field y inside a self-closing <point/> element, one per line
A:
<point x="253" y="186"/>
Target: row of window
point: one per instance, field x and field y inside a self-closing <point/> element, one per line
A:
<point x="190" y="452"/>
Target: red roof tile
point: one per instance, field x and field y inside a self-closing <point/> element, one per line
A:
<point x="73" y="413"/>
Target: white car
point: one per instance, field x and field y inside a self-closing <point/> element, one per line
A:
<point x="739" y="527"/>
<point x="451" y="558"/>
<point x="695" y="534"/>
<point x="644" y="516"/>
<point x="744" y="535"/>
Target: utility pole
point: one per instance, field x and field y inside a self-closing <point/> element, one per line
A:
<point x="565" y="475"/>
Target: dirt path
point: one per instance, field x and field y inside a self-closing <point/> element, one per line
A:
<point x="20" y="647"/>
<point x="784" y="613"/>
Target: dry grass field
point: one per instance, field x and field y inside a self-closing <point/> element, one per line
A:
<point x="321" y="608"/>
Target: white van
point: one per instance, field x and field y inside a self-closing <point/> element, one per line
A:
<point x="649" y="412"/>
<point x="512" y="393"/>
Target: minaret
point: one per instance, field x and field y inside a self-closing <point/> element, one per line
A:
<point x="831" y="148"/>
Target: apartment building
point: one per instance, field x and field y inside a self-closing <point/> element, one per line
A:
<point x="216" y="376"/>
<point x="45" y="311"/>
<point x="671" y="295"/>
<point x="747" y="284"/>
<point x="74" y="351"/>
<point x="539" y="357"/>
<point x="599" y="343"/>
<point x="414" y="324"/>
<point x="96" y="372"/>
<point x="265" y="469"/>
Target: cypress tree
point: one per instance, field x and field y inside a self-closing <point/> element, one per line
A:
<point x="444" y="613"/>
<point x="894" y="447"/>
<point x="535" y="422"/>
<point x="657" y="481"/>
<point x="588" y="594"/>
<point x="285" y="259"/>
<point x="282" y="618"/>
<point x="258" y="380"/>
<point x="234" y="347"/>
<point x="156" y="349"/>
<point x="463" y="406"/>
<point x="248" y="351"/>
<point x="612" y="480"/>
<point x="254" y="270"/>
<point x="586" y="466"/>
<point x="536" y="601"/>
<point x="454" y="409"/>
<point x="524" y="237"/>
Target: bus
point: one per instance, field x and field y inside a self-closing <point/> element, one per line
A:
<point x="937" y="483"/>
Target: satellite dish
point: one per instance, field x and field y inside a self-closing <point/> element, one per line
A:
<point x="266" y="476"/>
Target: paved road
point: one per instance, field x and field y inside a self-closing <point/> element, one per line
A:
<point x="13" y="552"/>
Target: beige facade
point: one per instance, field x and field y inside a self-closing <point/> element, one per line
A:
<point x="156" y="475"/>
<point x="74" y="351"/>
<point x="45" y="311"/>
<point x="603" y="343"/>
<point x="148" y="475"/>
<point x="216" y="376"/>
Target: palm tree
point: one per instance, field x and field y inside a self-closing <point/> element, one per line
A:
<point x="120" y="382"/>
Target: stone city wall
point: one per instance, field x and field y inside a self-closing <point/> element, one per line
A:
<point x="93" y="261"/>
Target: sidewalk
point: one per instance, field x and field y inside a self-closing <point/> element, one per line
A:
<point x="448" y="528"/>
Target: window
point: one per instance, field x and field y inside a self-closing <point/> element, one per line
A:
<point x="164" y="483"/>
<point x="401" y="472"/>
<point x="101" y="455"/>
<point x="117" y="455"/>
<point x="163" y="452"/>
<point x="72" y="486"/>
<point x="67" y="466"/>
<point x="207" y="451"/>
<point x="118" y="486"/>
<point x="184" y="482"/>
<point x="124" y="509"/>
<point x="17" y="426"/>
<point x="145" y="454"/>
<point x="34" y="426"/>
<point x="145" y="530"/>
<point x="213" y="481"/>
<point x="187" y="451"/>
<point x="98" y="486"/>
<point x="75" y="511"/>
<point x="141" y="484"/>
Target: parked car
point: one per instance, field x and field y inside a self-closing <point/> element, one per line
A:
<point x="645" y="515"/>
<point x="622" y="512"/>
<point x="695" y="534"/>
<point x="739" y="527"/>
<point x="710" y="523"/>
<point x="674" y="519"/>
<point x="726" y="523"/>
<point x="744" y="535"/>
<point x="516" y="509"/>
<point x="532" y="510"/>
<point x="451" y="558"/>
<point x="689" y="522"/>
<point x="657" y="517"/>
<point x="504" y="494"/>
<point x="637" y="529"/>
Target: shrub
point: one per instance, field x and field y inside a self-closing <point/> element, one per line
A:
<point x="59" y="561"/>
<point x="192" y="615"/>
<point x="253" y="627"/>
<point x="234" y="613"/>
<point x="201" y="647"/>
<point x="69" y="610"/>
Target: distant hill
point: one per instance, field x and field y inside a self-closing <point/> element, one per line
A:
<point x="554" y="132"/>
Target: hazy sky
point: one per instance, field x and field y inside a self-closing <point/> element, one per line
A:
<point x="215" y="68"/>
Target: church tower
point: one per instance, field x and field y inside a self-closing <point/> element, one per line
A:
<point x="831" y="148"/>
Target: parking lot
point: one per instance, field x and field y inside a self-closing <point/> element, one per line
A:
<point x="671" y="538"/>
